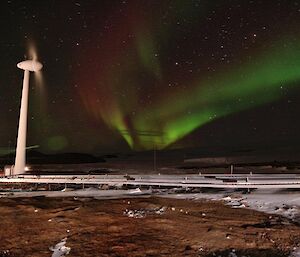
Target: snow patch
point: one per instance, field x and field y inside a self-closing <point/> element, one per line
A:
<point x="60" y="249"/>
<point x="141" y="213"/>
<point x="295" y="252"/>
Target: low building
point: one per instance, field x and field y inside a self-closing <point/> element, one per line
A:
<point x="8" y="170"/>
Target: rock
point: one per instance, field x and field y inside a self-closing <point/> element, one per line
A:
<point x="188" y="248"/>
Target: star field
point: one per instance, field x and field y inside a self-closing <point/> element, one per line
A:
<point x="134" y="75"/>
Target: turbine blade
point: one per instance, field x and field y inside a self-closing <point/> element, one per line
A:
<point x="32" y="52"/>
<point x="38" y="76"/>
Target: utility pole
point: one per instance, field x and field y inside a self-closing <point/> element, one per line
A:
<point x="231" y="169"/>
<point x="154" y="157"/>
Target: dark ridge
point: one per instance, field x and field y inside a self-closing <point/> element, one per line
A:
<point x="36" y="157"/>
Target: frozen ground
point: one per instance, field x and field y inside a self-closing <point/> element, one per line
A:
<point x="207" y="226"/>
<point x="280" y="202"/>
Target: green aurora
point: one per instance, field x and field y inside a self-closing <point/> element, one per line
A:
<point x="131" y="91"/>
<point x="249" y="85"/>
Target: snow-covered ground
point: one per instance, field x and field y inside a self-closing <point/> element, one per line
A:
<point x="281" y="202"/>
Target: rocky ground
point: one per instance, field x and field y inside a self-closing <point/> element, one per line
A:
<point x="141" y="227"/>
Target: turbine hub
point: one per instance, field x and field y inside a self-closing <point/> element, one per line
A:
<point x="30" y="65"/>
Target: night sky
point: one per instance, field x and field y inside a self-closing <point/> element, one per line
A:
<point x="134" y="75"/>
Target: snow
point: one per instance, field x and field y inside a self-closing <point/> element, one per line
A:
<point x="232" y="254"/>
<point x="88" y="192"/>
<point x="60" y="249"/>
<point x="141" y="213"/>
<point x="295" y="252"/>
<point x="281" y="202"/>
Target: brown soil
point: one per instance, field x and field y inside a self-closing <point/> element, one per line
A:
<point x="99" y="228"/>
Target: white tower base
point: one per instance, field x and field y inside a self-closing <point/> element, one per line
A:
<point x="20" y="161"/>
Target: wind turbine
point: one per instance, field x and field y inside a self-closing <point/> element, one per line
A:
<point x="20" y="161"/>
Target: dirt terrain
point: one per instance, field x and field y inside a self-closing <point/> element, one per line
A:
<point x="159" y="227"/>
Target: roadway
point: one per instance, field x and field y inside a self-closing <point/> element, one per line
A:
<point x="248" y="181"/>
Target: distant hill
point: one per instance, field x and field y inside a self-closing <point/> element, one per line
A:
<point x="36" y="157"/>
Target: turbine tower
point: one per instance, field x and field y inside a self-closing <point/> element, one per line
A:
<point x="20" y="162"/>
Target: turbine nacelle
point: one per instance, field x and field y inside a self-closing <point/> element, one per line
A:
<point x="30" y="65"/>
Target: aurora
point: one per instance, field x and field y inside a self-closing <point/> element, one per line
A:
<point x="123" y="76"/>
<point x="249" y="85"/>
<point x="168" y="118"/>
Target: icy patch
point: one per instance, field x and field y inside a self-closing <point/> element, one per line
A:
<point x="135" y="191"/>
<point x="286" y="205"/>
<point x="141" y="213"/>
<point x="5" y="253"/>
<point x="160" y="211"/>
<point x="137" y="214"/>
<point x="232" y="254"/>
<point x="235" y="202"/>
<point x="60" y="250"/>
<point x="227" y="198"/>
<point x="67" y="189"/>
<point x="88" y="192"/>
<point x="290" y="212"/>
<point x="295" y="252"/>
<point x="280" y="202"/>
